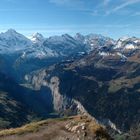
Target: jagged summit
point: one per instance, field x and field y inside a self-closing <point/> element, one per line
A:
<point x="37" y="38"/>
<point x="11" y="31"/>
<point x="11" y="41"/>
<point x="127" y="43"/>
<point x="64" y="45"/>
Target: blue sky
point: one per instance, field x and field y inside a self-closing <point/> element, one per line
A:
<point x="114" y="18"/>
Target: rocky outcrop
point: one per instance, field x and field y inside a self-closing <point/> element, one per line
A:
<point x="71" y="128"/>
<point x="58" y="99"/>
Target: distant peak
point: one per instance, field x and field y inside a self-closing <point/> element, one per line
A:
<point x="95" y="35"/>
<point x="124" y="38"/>
<point x="37" y="37"/>
<point x="78" y="35"/>
<point x="11" y="31"/>
<point x="66" y="35"/>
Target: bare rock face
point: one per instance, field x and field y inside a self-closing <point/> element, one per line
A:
<point x="58" y="99"/>
<point x="62" y="103"/>
<point x="37" y="79"/>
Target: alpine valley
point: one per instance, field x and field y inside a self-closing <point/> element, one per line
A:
<point x="86" y="86"/>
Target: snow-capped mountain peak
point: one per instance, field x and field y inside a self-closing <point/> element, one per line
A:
<point x="11" y="31"/>
<point x="127" y="43"/>
<point x="124" y="38"/>
<point x="37" y="38"/>
<point x="13" y="41"/>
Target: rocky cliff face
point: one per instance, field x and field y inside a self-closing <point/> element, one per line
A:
<point x="58" y="99"/>
<point x="62" y="104"/>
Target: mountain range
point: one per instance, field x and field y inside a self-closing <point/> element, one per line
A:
<point x="68" y="75"/>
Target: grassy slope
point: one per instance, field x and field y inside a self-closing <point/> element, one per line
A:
<point x="53" y="129"/>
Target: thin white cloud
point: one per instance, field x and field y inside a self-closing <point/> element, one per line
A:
<point x="81" y="5"/>
<point x="125" y="4"/>
<point x="121" y="7"/>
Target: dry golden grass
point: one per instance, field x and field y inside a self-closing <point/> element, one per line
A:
<point x="122" y="82"/>
<point x="32" y="127"/>
<point x="29" y="128"/>
<point x="92" y="128"/>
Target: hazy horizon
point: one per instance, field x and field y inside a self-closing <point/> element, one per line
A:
<point x="55" y="17"/>
<point x="29" y="35"/>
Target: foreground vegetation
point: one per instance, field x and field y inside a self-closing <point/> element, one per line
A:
<point x="71" y="127"/>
